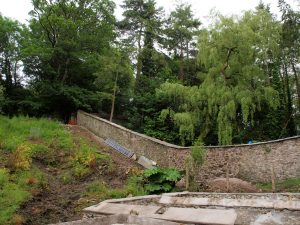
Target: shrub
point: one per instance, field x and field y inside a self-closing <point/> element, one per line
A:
<point x="80" y="170"/>
<point x="86" y="159"/>
<point x="85" y="156"/>
<point x="159" y="180"/>
<point x="21" y="158"/>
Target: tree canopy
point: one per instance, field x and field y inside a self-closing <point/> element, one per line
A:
<point x="162" y="74"/>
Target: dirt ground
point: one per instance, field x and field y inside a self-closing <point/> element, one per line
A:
<point x="59" y="202"/>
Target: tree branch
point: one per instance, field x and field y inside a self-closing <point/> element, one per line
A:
<point x="226" y="65"/>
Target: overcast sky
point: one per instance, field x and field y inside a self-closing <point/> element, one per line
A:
<point x="18" y="9"/>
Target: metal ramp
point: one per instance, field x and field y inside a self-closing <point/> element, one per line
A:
<point x="119" y="148"/>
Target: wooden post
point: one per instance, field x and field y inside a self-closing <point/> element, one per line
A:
<point x="273" y="178"/>
<point x="227" y="177"/>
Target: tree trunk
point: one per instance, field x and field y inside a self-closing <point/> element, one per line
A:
<point x="290" y="125"/>
<point x="268" y="73"/>
<point x="297" y="84"/>
<point x="66" y="70"/>
<point x="187" y="57"/>
<point x="8" y="76"/>
<point x="15" y="73"/>
<point x="282" y="82"/>
<point x="139" y="58"/>
<point x="181" y="72"/>
<point x="113" y="99"/>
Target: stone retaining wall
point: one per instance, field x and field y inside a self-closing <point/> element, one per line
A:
<point x="253" y="162"/>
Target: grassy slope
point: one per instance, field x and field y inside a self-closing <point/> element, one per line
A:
<point x="39" y="157"/>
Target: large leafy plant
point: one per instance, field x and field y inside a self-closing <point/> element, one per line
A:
<point x="159" y="180"/>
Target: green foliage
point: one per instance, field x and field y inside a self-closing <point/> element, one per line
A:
<point x="161" y="128"/>
<point x="181" y="31"/>
<point x="114" y="80"/>
<point x="241" y="81"/>
<point x="11" y="34"/>
<point x="158" y="180"/>
<point x="234" y="86"/>
<point x="60" y="52"/>
<point x="19" y="130"/>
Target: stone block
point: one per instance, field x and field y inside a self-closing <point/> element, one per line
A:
<point x="147" y="163"/>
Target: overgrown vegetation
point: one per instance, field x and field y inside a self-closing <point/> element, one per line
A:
<point x="151" y="181"/>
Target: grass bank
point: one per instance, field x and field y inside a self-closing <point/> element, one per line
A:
<point x="36" y="154"/>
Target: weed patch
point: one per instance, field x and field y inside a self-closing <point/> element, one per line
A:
<point x="289" y="185"/>
<point x="14" y="191"/>
<point x="86" y="159"/>
<point x="101" y="191"/>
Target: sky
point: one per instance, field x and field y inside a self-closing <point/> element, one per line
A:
<point x="18" y="9"/>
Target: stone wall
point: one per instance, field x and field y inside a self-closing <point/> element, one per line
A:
<point x="253" y="162"/>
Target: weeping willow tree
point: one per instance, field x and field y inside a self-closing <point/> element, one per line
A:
<point x="235" y="53"/>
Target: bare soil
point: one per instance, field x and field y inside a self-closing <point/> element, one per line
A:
<point x="60" y="202"/>
<point x="232" y="185"/>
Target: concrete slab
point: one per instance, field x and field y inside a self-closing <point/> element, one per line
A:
<point x="114" y="209"/>
<point x="199" y="216"/>
<point x="94" y="208"/>
<point x="182" y="215"/>
<point x="226" y="202"/>
<point x="120" y="219"/>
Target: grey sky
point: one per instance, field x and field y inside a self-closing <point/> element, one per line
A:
<point x="18" y="9"/>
